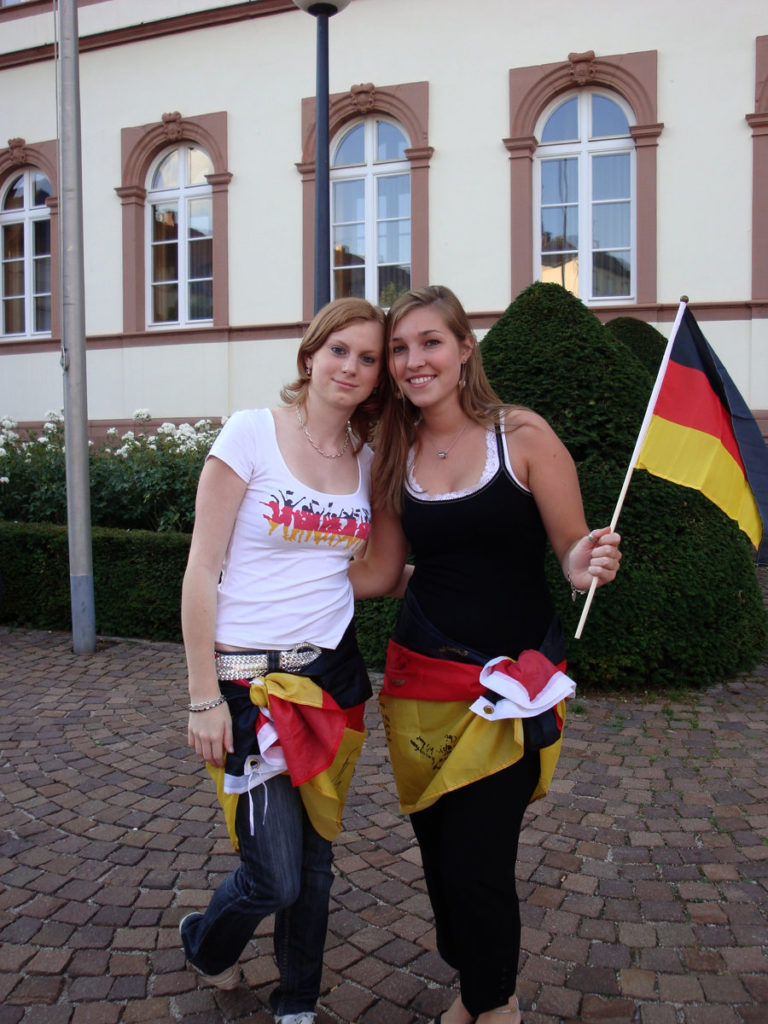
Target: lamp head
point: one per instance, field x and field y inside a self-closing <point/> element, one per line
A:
<point x="316" y="7"/>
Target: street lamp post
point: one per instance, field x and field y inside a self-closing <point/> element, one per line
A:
<point x="322" y="12"/>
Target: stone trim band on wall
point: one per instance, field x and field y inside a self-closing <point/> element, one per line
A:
<point x="43" y="156"/>
<point x="657" y="313"/>
<point x="142" y="31"/>
<point x="758" y="122"/>
<point x="631" y="75"/>
<point x="409" y="105"/>
<point x="140" y="146"/>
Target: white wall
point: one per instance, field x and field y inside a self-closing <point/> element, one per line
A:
<point x="259" y="70"/>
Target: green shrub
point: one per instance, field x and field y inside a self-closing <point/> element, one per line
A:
<point x="645" y="341"/>
<point x="374" y="622"/>
<point x="142" y="481"/>
<point x="136" y="580"/>
<point x="549" y="352"/>
<point x="686" y="608"/>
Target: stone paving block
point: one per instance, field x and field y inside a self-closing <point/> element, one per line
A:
<point x="597" y="1010"/>
<point x="675" y="988"/>
<point x="631" y="896"/>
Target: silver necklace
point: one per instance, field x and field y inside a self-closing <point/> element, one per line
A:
<point x="442" y="453"/>
<point x="316" y="446"/>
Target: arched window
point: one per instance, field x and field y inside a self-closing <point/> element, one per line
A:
<point x="584" y="191"/>
<point x="25" y="226"/>
<point x="180" y="238"/>
<point x="371" y="211"/>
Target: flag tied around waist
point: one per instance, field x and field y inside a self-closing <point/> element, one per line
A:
<point x="701" y="434"/>
<point x="286" y="722"/>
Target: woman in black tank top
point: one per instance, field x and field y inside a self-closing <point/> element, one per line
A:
<point x="476" y="489"/>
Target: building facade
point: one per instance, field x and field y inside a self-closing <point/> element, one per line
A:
<point x="483" y="144"/>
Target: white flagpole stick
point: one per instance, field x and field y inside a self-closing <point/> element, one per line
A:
<point x="638" y="445"/>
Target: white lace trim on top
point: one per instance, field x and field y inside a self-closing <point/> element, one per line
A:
<point x="489" y="471"/>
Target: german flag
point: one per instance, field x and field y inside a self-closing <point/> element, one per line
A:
<point x="702" y="434"/>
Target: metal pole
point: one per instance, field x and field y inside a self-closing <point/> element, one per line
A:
<point x="322" y="166"/>
<point x="73" y="336"/>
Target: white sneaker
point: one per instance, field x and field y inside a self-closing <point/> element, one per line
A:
<point x="227" y="980"/>
<point x="296" y="1018"/>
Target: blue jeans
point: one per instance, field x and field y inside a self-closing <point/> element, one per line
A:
<point x="285" y="869"/>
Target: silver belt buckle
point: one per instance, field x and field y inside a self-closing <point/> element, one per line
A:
<point x="299" y="655"/>
<point x="248" y="666"/>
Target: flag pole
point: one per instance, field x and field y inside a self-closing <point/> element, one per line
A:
<point x="638" y="445"/>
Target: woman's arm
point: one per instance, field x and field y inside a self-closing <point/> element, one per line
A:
<point x="382" y="569"/>
<point x="219" y="494"/>
<point x="549" y="472"/>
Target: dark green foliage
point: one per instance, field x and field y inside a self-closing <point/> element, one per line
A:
<point x="549" y="352"/>
<point x="686" y="608"/>
<point x="144" y="481"/>
<point x="645" y="341"/>
<point x="136" y="580"/>
<point x="374" y="622"/>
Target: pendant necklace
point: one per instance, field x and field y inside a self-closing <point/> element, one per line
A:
<point x="316" y="446"/>
<point x="442" y="453"/>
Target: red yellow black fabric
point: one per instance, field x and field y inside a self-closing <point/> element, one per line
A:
<point x="436" y="743"/>
<point x="703" y="435"/>
<point x="321" y="743"/>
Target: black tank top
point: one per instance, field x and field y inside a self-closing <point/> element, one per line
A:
<point x="479" y="565"/>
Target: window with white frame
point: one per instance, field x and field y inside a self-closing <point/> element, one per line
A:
<point x="25" y="227"/>
<point x="371" y="212"/>
<point x="585" y="197"/>
<point x="180" y="238"/>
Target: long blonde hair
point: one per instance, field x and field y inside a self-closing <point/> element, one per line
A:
<point x="335" y="316"/>
<point x="396" y="430"/>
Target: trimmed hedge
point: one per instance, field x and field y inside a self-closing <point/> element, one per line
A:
<point x="137" y="578"/>
<point x="686" y="608"/>
<point x="646" y="343"/>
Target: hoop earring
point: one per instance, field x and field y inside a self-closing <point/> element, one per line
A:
<point x="462" y="377"/>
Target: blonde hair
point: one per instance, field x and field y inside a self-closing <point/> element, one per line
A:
<point x="396" y="429"/>
<point x="335" y="316"/>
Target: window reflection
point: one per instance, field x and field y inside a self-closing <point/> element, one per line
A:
<point x="181" y="282"/>
<point x="371" y="212"/>
<point x="25" y="230"/>
<point x="585" y="203"/>
<point x="351" y="149"/>
<point x="563" y="124"/>
<point x="608" y="119"/>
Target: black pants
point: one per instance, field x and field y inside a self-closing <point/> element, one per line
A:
<point x="468" y="842"/>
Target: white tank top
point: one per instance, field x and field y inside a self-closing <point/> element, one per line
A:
<point x="284" y="578"/>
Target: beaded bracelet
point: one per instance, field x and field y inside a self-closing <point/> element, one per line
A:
<point x="207" y="705"/>
<point x="574" y="590"/>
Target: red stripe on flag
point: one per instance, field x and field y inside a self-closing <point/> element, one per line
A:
<point x="687" y="398"/>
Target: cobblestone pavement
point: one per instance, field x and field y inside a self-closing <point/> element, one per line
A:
<point x="643" y="873"/>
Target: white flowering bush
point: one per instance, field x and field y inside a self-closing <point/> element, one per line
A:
<point x="140" y="480"/>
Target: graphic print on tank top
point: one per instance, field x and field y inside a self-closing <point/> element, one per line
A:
<point x="305" y="520"/>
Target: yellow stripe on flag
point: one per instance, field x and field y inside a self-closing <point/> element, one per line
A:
<point x="438" y="746"/>
<point x="694" y="458"/>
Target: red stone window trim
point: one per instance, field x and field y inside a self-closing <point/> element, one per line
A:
<point x="409" y="105"/>
<point x="140" y="147"/>
<point x="758" y="122"/>
<point x="632" y="76"/>
<point x="43" y="156"/>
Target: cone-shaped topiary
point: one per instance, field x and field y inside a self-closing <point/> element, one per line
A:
<point x="645" y="341"/>
<point x="549" y="352"/>
<point x="686" y="608"/>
